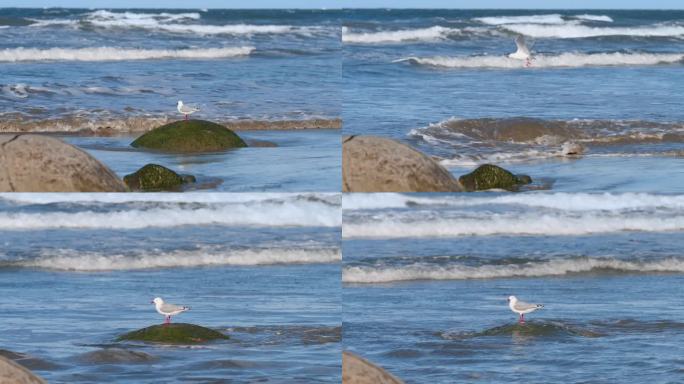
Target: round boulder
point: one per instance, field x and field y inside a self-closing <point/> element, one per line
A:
<point x="490" y="176"/>
<point x="37" y="163"/>
<point x="189" y="136"/>
<point x="154" y="177"/>
<point x="357" y="370"/>
<point x="11" y="372"/>
<point x="376" y="164"/>
<point x="175" y="333"/>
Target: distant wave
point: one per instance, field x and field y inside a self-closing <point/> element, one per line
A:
<point x="556" y="267"/>
<point x="83" y="261"/>
<point x="572" y="202"/>
<point x="169" y="22"/>
<point x="116" y="54"/>
<point x="96" y="212"/>
<point x="571" y="31"/>
<point x="569" y="60"/>
<point x="604" y="18"/>
<point x="420" y="34"/>
<point x="537" y="19"/>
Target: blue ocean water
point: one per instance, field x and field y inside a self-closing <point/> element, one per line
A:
<point x="79" y="270"/>
<point x="426" y="278"/>
<point x="442" y="81"/>
<point x="74" y="69"/>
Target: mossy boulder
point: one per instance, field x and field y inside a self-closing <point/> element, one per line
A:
<point x="154" y="177"/>
<point x="174" y="333"/>
<point x="190" y="136"/>
<point x="490" y="176"/>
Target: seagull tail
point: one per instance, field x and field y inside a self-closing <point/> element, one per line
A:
<point x="540" y="305"/>
<point x="186" y="309"/>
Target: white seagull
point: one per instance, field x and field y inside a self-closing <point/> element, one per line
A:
<point x="523" y="51"/>
<point x="186" y="110"/>
<point x="521" y="307"/>
<point x="167" y="310"/>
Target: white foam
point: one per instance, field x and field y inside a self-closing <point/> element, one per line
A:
<point x="536" y="19"/>
<point x="571" y="202"/>
<point x="170" y="23"/>
<point x="364" y="274"/>
<point x="292" y="211"/>
<point x="80" y="261"/>
<point x="571" y="31"/>
<point x="116" y="54"/>
<point x="511" y="223"/>
<point x="569" y="60"/>
<point x="588" y="17"/>
<point x="420" y="34"/>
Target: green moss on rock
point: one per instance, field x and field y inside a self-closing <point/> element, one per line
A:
<point x="174" y="333"/>
<point x="190" y="136"/>
<point x="154" y="177"/>
<point x="490" y="176"/>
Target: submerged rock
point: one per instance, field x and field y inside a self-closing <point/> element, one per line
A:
<point x="357" y="370"/>
<point x="11" y="372"/>
<point x="37" y="163"/>
<point x="190" y="136"/>
<point x="174" y="333"/>
<point x="154" y="177"/>
<point x="115" y="356"/>
<point x="490" y="176"/>
<point x="376" y="164"/>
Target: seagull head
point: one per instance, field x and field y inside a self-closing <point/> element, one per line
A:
<point x="512" y="299"/>
<point x="157" y="301"/>
<point x="180" y="103"/>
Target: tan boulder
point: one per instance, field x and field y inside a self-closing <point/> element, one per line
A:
<point x="376" y="164"/>
<point x="357" y="370"/>
<point x="11" y="372"/>
<point x="37" y="163"/>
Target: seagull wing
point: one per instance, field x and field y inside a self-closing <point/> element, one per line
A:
<point x="522" y="45"/>
<point x="523" y="306"/>
<point x="169" y="308"/>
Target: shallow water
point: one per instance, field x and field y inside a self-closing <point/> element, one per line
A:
<point x="307" y="160"/>
<point x="426" y="279"/>
<point x="417" y="75"/>
<point x="80" y="269"/>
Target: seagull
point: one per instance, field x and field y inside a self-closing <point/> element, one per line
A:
<point x="167" y="310"/>
<point x="521" y="307"/>
<point x="523" y="51"/>
<point x="186" y="110"/>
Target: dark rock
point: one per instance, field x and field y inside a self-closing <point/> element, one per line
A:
<point x="490" y="176"/>
<point x="154" y="177"/>
<point x="116" y="356"/>
<point x="190" y="136"/>
<point x="174" y="333"/>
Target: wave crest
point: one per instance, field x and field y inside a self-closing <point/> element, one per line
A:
<point x="118" y="54"/>
<point x="420" y="34"/>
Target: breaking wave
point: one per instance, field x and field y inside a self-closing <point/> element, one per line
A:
<point x="419" y="34"/>
<point x="558" y="267"/>
<point x="71" y="260"/>
<point x="574" y="31"/>
<point x="568" y="60"/>
<point x="117" y="54"/>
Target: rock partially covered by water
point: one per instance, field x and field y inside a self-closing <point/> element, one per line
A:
<point x="116" y="356"/>
<point x="174" y="333"/>
<point x="571" y="148"/>
<point x="11" y="372"/>
<point x="490" y="176"/>
<point x="154" y="177"/>
<point x="376" y="164"/>
<point x="36" y="163"/>
<point x="357" y="370"/>
<point x="190" y="136"/>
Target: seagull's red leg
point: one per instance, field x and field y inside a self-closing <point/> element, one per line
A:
<point x="186" y="117"/>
